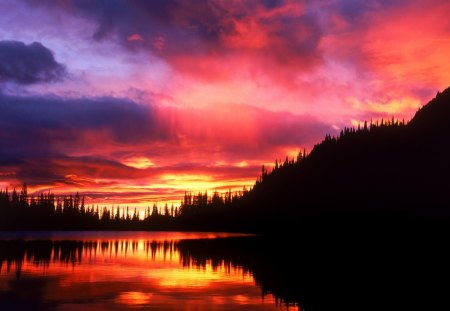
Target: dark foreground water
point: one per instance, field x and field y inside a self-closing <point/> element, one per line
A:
<point x="318" y="270"/>
<point x="124" y="270"/>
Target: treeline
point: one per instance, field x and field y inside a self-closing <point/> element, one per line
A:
<point x="21" y="211"/>
<point x="370" y="174"/>
<point x="383" y="174"/>
<point x="277" y="194"/>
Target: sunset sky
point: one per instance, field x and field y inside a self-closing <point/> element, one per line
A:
<point x="132" y="102"/>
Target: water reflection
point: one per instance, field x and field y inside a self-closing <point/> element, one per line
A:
<point x="403" y="272"/>
<point x="122" y="273"/>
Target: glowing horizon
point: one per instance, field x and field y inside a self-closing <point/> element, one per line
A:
<point x="136" y="102"/>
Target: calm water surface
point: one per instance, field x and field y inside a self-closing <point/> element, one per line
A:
<point x="126" y="270"/>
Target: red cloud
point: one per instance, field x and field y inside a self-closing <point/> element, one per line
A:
<point x="135" y="37"/>
<point x="238" y="82"/>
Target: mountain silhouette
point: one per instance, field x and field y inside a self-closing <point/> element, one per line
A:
<point x="360" y="223"/>
<point x="432" y="119"/>
<point x="387" y="172"/>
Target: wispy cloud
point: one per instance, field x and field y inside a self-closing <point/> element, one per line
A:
<point x="165" y="95"/>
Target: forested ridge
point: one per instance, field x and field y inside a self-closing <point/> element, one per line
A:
<point x="385" y="173"/>
<point x="380" y="170"/>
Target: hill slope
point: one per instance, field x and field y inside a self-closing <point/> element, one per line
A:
<point x="383" y="172"/>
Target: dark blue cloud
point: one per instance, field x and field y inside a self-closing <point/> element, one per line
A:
<point x="38" y="135"/>
<point x="124" y="119"/>
<point x="184" y="17"/>
<point x="33" y="126"/>
<point x="195" y="28"/>
<point x="28" y="64"/>
<point x="354" y="10"/>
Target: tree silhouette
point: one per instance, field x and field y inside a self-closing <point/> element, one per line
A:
<point x="378" y="171"/>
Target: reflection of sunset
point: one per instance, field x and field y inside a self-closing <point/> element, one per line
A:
<point x="195" y="277"/>
<point x="134" y="298"/>
<point x="150" y="260"/>
<point x="132" y="272"/>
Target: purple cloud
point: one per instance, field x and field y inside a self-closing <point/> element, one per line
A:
<point x="28" y="64"/>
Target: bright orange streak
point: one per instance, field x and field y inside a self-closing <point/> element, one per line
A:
<point x="111" y="268"/>
<point x="138" y="162"/>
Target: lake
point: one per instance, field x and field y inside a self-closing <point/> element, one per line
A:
<point x="127" y="270"/>
<point x="316" y="270"/>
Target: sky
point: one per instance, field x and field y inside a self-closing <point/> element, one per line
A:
<point x="135" y="102"/>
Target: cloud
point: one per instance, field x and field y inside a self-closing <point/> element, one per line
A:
<point x="135" y="37"/>
<point x="40" y="126"/>
<point x="93" y="143"/>
<point x="28" y="64"/>
<point x="123" y="120"/>
<point x="35" y="128"/>
<point x="45" y="141"/>
<point x="245" y="128"/>
<point x="187" y="34"/>
<point x="355" y="11"/>
<point x="222" y="86"/>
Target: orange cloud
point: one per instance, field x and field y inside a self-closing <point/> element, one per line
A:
<point x="215" y="85"/>
<point x="407" y="46"/>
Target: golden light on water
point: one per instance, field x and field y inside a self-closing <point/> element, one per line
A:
<point x="134" y="298"/>
<point x="131" y="272"/>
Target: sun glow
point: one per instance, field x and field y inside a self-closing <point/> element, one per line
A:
<point x="242" y="164"/>
<point x="389" y="106"/>
<point x="172" y="102"/>
<point x="139" y="162"/>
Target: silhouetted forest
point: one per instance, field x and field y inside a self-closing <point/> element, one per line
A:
<point x="382" y="176"/>
<point x="386" y="171"/>
<point x="19" y="211"/>
<point x="334" y="273"/>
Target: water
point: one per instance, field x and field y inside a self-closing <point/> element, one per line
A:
<point x="128" y="270"/>
<point x="219" y="271"/>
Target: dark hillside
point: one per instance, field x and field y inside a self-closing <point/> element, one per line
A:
<point x="388" y="172"/>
